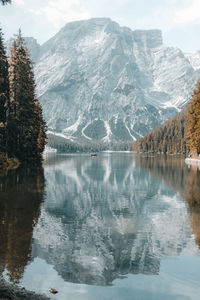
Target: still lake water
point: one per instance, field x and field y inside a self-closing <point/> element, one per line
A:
<point x="116" y="226"/>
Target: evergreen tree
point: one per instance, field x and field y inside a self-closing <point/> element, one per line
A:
<point x="170" y="137"/>
<point x="194" y="121"/>
<point x="25" y="123"/>
<point x="4" y="93"/>
<point x="41" y="128"/>
<point x="5" y="1"/>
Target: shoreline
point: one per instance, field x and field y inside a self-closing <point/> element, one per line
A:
<point x="13" y="292"/>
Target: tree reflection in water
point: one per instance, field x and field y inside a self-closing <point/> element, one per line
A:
<point x="181" y="177"/>
<point x="101" y="218"/>
<point x="21" y="194"/>
<point x="104" y="218"/>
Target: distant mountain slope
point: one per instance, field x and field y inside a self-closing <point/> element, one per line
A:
<point x="170" y="137"/>
<point x="32" y="45"/>
<point x="99" y="81"/>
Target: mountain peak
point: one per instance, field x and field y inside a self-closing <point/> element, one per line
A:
<point x="90" y="23"/>
<point x="99" y="81"/>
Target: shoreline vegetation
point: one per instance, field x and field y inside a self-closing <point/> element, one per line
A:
<point x="178" y="135"/>
<point x="168" y="138"/>
<point x="65" y="145"/>
<point x="22" y="128"/>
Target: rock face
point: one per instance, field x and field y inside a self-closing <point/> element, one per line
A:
<point x="99" y="81"/>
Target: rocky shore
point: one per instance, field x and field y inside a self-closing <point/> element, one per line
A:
<point x="12" y="292"/>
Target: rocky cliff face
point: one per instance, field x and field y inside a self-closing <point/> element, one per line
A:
<point x="99" y="81"/>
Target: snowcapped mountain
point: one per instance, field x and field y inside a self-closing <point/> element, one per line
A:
<point x="99" y="81"/>
<point x="194" y="58"/>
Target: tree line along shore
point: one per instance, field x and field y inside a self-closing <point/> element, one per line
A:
<point x="178" y="135"/>
<point x="22" y="127"/>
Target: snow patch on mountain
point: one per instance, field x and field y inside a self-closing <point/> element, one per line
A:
<point x="99" y="81"/>
<point x="194" y="59"/>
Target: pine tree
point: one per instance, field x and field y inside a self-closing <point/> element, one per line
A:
<point x="4" y="93"/>
<point x="5" y="1"/>
<point x="194" y="121"/>
<point x="25" y="122"/>
<point x="170" y="137"/>
<point x="41" y="128"/>
<point x="12" y="121"/>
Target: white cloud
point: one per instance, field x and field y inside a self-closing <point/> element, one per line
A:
<point x="188" y="14"/>
<point x="61" y="12"/>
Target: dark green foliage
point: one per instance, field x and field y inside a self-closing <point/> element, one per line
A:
<point x="170" y="137"/>
<point x="64" y="145"/>
<point x="22" y="128"/>
<point x="22" y="192"/>
<point x="26" y="128"/>
<point x="194" y="121"/>
<point x="4" y="2"/>
<point x="4" y="93"/>
<point x="67" y="146"/>
<point x="180" y="134"/>
<point x="4" y="81"/>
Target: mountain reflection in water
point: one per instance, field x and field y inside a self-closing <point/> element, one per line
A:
<point x="101" y="218"/>
<point x="183" y="178"/>
<point x="106" y="217"/>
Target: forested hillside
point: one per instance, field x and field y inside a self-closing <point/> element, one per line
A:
<point x="170" y="137"/>
<point x="64" y="145"/>
<point x="194" y="121"/>
<point x="180" y="134"/>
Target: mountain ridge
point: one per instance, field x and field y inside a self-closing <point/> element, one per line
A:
<point x="99" y="81"/>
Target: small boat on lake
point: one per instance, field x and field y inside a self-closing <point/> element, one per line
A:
<point x="93" y="154"/>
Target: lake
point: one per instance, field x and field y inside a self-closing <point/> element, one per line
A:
<point x="116" y="226"/>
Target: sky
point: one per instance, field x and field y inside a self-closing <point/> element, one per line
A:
<point x="179" y="20"/>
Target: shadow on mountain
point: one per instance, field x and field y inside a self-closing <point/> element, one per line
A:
<point x="22" y="192"/>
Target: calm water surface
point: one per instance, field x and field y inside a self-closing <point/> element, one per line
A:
<point x="116" y="226"/>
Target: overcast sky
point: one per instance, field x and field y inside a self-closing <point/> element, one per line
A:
<point x="179" y="20"/>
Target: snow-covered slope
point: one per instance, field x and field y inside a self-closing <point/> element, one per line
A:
<point x="194" y="58"/>
<point x="100" y="81"/>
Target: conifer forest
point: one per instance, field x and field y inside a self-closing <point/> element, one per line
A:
<point x="180" y="134"/>
<point x="22" y="128"/>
